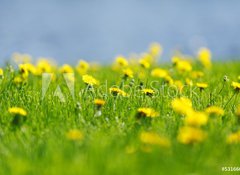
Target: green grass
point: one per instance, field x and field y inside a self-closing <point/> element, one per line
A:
<point x="40" y="146"/>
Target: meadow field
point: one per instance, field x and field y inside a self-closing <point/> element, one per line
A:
<point x="135" y="116"/>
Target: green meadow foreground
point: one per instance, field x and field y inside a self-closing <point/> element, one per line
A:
<point x="132" y="117"/>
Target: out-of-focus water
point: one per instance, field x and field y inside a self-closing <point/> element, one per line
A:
<point x="99" y="30"/>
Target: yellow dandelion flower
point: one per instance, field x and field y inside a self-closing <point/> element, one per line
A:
<point x="189" y="82"/>
<point x="190" y="135"/>
<point x="128" y="73"/>
<point x="43" y="66"/>
<point x="82" y="67"/>
<point x="121" y="61"/>
<point x="214" y="110"/>
<point x="117" y="91"/>
<point x="204" y="55"/>
<point x="99" y="102"/>
<point x="168" y="79"/>
<point x="159" y="73"/>
<point x="147" y="112"/>
<point x="202" y="86"/>
<point x="233" y="138"/>
<point x="89" y="80"/>
<point x="1" y="72"/>
<point x="23" y="69"/>
<point x="195" y="118"/>
<point x="182" y="105"/>
<point x="236" y="86"/>
<point x="183" y="66"/>
<point x="152" y="138"/>
<point x="21" y="58"/>
<point x="179" y="85"/>
<point x="144" y="63"/>
<point x="148" y="92"/>
<point x="66" y="69"/>
<point x="74" y="135"/>
<point x="17" y="111"/>
<point x="155" y="49"/>
<point x="197" y="74"/>
<point x="175" y="60"/>
<point x="18" y="80"/>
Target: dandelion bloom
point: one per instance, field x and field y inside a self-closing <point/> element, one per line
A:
<point x="66" y="69"/>
<point x="195" y="118"/>
<point x="147" y="112"/>
<point x="43" y="66"/>
<point x="204" y="55"/>
<point x="99" y="102"/>
<point x="128" y="73"/>
<point x="144" y="63"/>
<point x="202" y="86"/>
<point x="152" y="138"/>
<point x="189" y="82"/>
<point x="183" y="66"/>
<point x="1" y="72"/>
<point x="117" y="91"/>
<point x="89" y="80"/>
<point x="215" y="110"/>
<point x="190" y="135"/>
<point x="148" y="92"/>
<point x="168" y="79"/>
<point x="233" y="138"/>
<point x="82" y="67"/>
<point x="155" y="49"/>
<point x="181" y="105"/>
<point x="159" y="73"/>
<point x="74" y="135"/>
<point x="179" y="84"/>
<point x="17" y="111"/>
<point x="23" y="69"/>
<point x="121" y="61"/>
<point x="197" y="74"/>
<point x="236" y="85"/>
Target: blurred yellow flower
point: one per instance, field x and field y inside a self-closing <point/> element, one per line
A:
<point x="190" y="135"/>
<point x="147" y="112"/>
<point x="168" y="79"/>
<point x="152" y="138"/>
<point x="148" y="92"/>
<point x="21" y="58"/>
<point x="155" y="49"/>
<point x="117" y="91"/>
<point x="215" y="110"/>
<point x="18" y="80"/>
<point x="23" y="69"/>
<point x="144" y="63"/>
<point x="182" y="105"/>
<point x="99" y="102"/>
<point x="1" y="72"/>
<point x="189" y="82"/>
<point x="197" y="74"/>
<point x="89" y="80"/>
<point x="202" y="86"/>
<point x="179" y="85"/>
<point x="43" y="66"/>
<point x="121" y="61"/>
<point x="183" y="66"/>
<point x="233" y="138"/>
<point x="236" y="86"/>
<point x="66" y="69"/>
<point x="204" y="55"/>
<point x="195" y="118"/>
<point x="159" y="73"/>
<point x="74" y="135"/>
<point x="82" y="67"/>
<point x="128" y="73"/>
<point x="17" y="111"/>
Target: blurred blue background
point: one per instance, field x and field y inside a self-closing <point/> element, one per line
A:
<point x="68" y="30"/>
